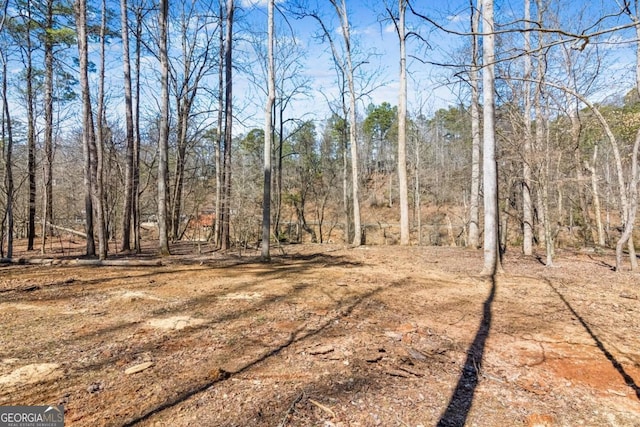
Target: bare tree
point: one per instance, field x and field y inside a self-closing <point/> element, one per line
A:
<point x="474" y="217"/>
<point x="7" y="137"/>
<point x="163" y="140"/>
<point x="47" y="214"/>
<point x="217" y="229"/>
<point x="31" y="126"/>
<point x="98" y="181"/>
<point x="187" y="74"/>
<point x="88" y="135"/>
<point x="627" y="198"/>
<point x="527" y="207"/>
<point x="129" y="196"/>
<point x="140" y="12"/>
<point x="348" y="71"/>
<point x="489" y="165"/>
<point x="268" y="136"/>
<point x="542" y="145"/>
<point x="402" y="128"/>
<point x="225" y="241"/>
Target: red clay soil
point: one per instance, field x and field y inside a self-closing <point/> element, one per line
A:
<point x="324" y="335"/>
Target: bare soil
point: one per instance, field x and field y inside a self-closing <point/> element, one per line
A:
<point x="324" y="335"/>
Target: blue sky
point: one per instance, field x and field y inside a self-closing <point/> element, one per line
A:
<point x="430" y="86"/>
<point x="376" y="42"/>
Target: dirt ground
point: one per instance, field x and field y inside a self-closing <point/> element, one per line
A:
<point x="324" y="336"/>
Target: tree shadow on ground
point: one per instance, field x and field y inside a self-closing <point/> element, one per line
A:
<point x="301" y="334"/>
<point x="617" y="365"/>
<point x="460" y="403"/>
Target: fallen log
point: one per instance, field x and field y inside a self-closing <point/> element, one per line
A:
<point x="38" y="261"/>
<point x="118" y="262"/>
<point x="88" y="262"/>
<point x="68" y="230"/>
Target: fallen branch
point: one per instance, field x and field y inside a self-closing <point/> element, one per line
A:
<point x="117" y="262"/>
<point x="324" y="408"/>
<point x="68" y="230"/>
<point x="39" y="261"/>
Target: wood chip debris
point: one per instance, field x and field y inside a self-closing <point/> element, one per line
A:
<point x="323" y="349"/>
<point x="138" y="368"/>
<point x="397" y="373"/>
<point x="411" y="371"/>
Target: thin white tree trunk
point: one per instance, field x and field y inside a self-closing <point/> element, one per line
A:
<point x="402" y="129"/>
<point x="596" y="197"/>
<point x="341" y="10"/>
<point x="99" y="141"/>
<point x="474" y="202"/>
<point x="527" y="208"/>
<point x="163" y="139"/>
<point x="127" y="213"/>
<point x="268" y="134"/>
<point x="490" y="175"/>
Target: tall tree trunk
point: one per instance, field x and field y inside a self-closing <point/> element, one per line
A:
<point x="417" y="191"/>
<point x="7" y="136"/>
<point x="474" y="216"/>
<point x="490" y="176"/>
<point x="47" y="214"/>
<point x="31" y="136"/>
<point x="217" y="229"/>
<point x="88" y="137"/>
<point x="341" y="10"/>
<point x="527" y="208"/>
<point x="127" y="211"/>
<point x="539" y="139"/>
<point x="228" y="128"/>
<point x="136" y="147"/>
<point x="98" y="194"/>
<point x="402" y="130"/>
<point x="163" y="140"/>
<point x="268" y="134"/>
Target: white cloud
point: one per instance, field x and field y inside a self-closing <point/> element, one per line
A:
<point x="391" y="28"/>
<point x="456" y="18"/>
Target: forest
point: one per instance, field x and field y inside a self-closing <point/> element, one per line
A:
<point x="120" y="123"/>
<point x="320" y="212"/>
